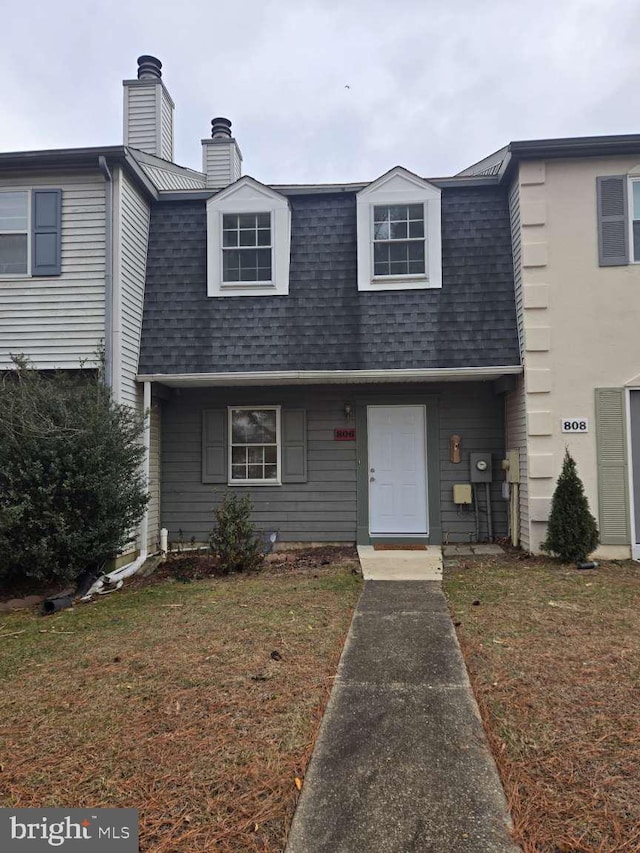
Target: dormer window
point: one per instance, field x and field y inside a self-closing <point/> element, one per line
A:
<point x="399" y="240"/>
<point x="248" y="237"/>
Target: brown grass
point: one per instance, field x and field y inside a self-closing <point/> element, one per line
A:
<point x="166" y="698"/>
<point x="554" y="658"/>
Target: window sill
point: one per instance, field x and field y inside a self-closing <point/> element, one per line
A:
<point x="243" y="285"/>
<point x="254" y="483"/>
<point x="391" y="279"/>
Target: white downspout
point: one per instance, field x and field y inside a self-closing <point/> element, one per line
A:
<point x="144" y="524"/>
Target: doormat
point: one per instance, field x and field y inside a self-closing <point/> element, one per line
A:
<point x="389" y="546"/>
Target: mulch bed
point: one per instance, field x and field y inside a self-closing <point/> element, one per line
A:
<point x="188" y="566"/>
<point x="554" y="659"/>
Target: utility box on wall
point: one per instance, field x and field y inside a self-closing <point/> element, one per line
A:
<point x="462" y="493"/>
<point x="480" y="467"/>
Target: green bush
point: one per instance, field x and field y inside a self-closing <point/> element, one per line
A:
<point x="572" y="532"/>
<point x="71" y="484"/>
<point x="234" y="539"/>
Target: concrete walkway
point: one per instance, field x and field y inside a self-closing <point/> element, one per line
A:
<point x="401" y="764"/>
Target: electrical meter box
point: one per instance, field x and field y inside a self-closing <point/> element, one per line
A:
<point x="480" y="465"/>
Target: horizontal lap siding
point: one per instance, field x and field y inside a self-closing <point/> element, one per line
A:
<point x="516" y="426"/>
<point x="474" y="412"/>
<point x="59" y="320"/>
<point x="143" y="117"/>
<point x="133" y="241"/>
<point x="322" y="509"/>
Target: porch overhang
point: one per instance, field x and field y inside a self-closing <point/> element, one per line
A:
<point x="331" y="377"/>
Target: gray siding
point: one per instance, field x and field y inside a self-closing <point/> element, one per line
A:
<point x="134" y="236"/>
<point x="516" y="439"/>
<point x="516" y="244"/>
<point x="323" y="508"/>
<point x="153" y="533"/>
<point x="475" y="413"/>
<point x="59" y="320"/>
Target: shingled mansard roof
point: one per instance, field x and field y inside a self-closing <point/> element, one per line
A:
<point x="324" y="323"/>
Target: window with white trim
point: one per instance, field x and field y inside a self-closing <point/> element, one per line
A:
<point x="254" y="445"/>
<point x="398" y="240"/>
<point x="14" y="232"/>
<point x="246" y="248"/>
<point x="399" y="237"/>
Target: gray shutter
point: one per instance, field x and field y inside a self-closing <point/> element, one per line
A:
<point x="613" y="225"/>
<point x="294" y="446"/>
<point x="613" y="483"/>
<point x="214" y="446"/>
<point x="46" y="226"/>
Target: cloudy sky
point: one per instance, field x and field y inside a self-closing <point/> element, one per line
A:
<point x="326" y="90"/>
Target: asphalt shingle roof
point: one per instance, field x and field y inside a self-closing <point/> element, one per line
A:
<point x="325" y="323"/>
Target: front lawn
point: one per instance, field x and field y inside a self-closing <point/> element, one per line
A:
<point x="554" y="658"/>
<point x="168" y="698"/>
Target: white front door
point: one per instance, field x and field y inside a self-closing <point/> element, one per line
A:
<point x="397" y="471"/>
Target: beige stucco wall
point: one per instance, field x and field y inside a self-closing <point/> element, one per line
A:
<point x="581" y="321"/>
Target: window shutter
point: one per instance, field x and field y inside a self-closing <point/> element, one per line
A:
<point x="613" y="227"/>
<point x="46" y="226"/>
<point x="214" y="446"/>
<point x="611" y="447"/>
<point x="294" y="446"/>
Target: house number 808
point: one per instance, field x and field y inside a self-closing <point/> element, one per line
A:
<point x="575" y="425"/>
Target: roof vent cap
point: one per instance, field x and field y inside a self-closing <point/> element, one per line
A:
<point x="149" y="68"/>
<point x="220" y="128"/>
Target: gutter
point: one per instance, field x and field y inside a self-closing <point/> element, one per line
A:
<point x="108" y="272"/>
<point x="302" y="377"/>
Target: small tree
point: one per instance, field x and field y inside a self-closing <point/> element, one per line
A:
<point x="234" y="537"/>
<point x="71" y="484"/>
<point x="572" y="532"/>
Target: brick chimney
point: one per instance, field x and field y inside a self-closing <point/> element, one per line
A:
<point x="148" y="110"/>
<point x="221" y="157"/>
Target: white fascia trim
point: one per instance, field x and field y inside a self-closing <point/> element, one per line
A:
<point x="303" y="377"/>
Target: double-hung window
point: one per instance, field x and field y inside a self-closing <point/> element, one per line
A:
<point x="399" y="240"/>
<point x="255" y="445"/>
<point x="246" y="248"/>
<point x="14" y="232"/>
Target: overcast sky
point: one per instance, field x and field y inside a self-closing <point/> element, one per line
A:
<point x="326" y="90"/>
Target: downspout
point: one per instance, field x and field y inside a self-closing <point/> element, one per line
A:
<point x="108" y="273"/>
<point x="144" y="524"/>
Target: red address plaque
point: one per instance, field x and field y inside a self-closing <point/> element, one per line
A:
<point x="344" y="434"/>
